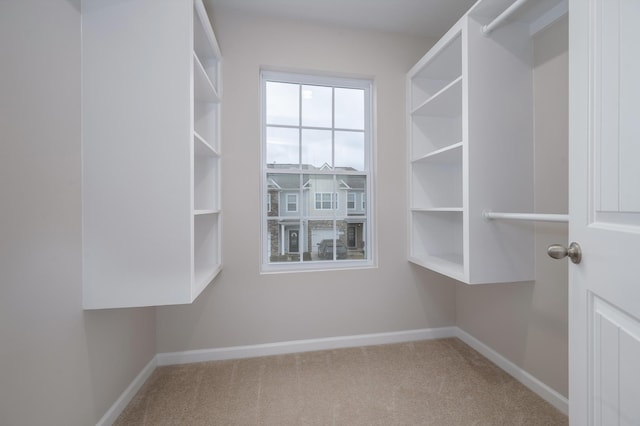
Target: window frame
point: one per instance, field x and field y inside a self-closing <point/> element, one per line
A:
<point x="368" y="173"/>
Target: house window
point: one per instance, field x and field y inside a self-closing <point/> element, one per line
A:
<point x="324" y="201"/>
<point x="351" y="201"/>
<point x="292" y="203"/>
<point x="316" y="157"/>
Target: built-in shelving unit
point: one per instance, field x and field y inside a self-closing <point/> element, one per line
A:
<point x="207" y="256"/>
<point x="470" y="126"/>
<point x="436" y="157"/>
<point x="151" y="152"/>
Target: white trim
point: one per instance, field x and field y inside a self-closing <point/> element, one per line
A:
<point x="297" y="346"/>
<point x="542" y="390"/>
<point x="121" y="403"/>
<point x="315" y="78"/>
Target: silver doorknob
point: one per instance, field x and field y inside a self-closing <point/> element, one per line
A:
<point x="558" y="251"/>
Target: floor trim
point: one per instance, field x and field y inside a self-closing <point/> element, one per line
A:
<point x="121" y="403"/>
<point x="542" y="390"/>
<point x="252" y="351"/>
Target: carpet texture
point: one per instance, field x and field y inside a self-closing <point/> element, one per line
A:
<point x="434" y="382"/>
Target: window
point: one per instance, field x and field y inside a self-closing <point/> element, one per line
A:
<point x="324" y="201"/>
<point x="292" y="203"/>
<point x="351" y="201"/>
<point x="316" y="158"/>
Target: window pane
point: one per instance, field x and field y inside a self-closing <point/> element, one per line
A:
<point x="351" y="201"/>
<point x="284" y="193"/>
<point x="283" y="103"/>
<point x="316" y="148"/>
<point x="292" y="203"/>
<point x="316" y="106"/>
<point x="350" y="151"/>
<point x="283" y="148"/>
<point x="284" y="241"/>
<point x="349" y="108"/>
<point x="352" y="235"/>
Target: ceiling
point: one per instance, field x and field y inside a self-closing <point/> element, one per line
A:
<point x="428" y="18"/>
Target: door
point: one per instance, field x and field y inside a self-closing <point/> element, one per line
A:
<point x="293" y="241"/>
<point x="604" y="208"/>
<point x="351" y="237"/>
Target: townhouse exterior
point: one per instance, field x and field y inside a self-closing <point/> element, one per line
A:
<point x="305" y="208"/>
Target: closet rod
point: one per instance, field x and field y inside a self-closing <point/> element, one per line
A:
<point x="539" y="217"/>
<point x="504" y="15"/>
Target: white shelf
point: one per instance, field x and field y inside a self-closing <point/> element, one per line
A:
<point x="206" y="250"/>
<point x="439" y="209"/>
<point x="204" y="89"/>
<point x="451" y="265"/>
<point x="206" y="119"/>
<point x="448" y="154"/>
<point x="206" y="179"/>
<point x="203" y="276"/>
<point x="205" y="46"/>
<point x="436" y="70"/>
<point x="446" y="103"/>
<point x="437" y="240"/>
<point x="202" y="147"/>
<point x="205" y="212"/>
<point x="436" y="185"/>
<point x="432" y="134"/>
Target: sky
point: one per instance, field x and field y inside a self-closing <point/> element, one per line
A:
<point x="301" y="106"/>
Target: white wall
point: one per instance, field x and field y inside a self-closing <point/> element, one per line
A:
<point x="243" y="307"/>
<point x="527" y="322"/>
<point x="59" y="365"/>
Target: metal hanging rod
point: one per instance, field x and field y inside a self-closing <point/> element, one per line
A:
<point x="538" y="217"/>
<point x="504" y="15"/>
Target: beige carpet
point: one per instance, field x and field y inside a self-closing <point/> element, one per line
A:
<point x="436" y="382"/>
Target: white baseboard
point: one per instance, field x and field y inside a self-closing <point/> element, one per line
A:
<point x="296" y="346"/>
<point x="252" y="351"/>
<point x="121" y="403"/>
<point x="543" y="391"/>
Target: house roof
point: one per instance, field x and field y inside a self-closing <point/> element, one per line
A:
<point x="291" y="182"/>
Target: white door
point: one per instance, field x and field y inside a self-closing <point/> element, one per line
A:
<point x="604" y="208"/>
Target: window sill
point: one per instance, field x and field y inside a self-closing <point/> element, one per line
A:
<point x="317" y="266"/>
